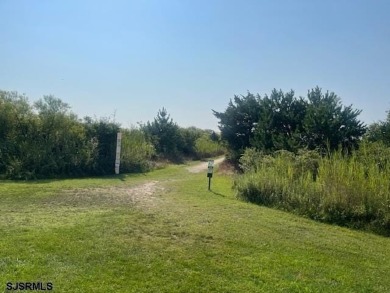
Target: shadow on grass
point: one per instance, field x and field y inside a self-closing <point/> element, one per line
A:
<point x="217" y="193"/>
<point x="120" y="177"/>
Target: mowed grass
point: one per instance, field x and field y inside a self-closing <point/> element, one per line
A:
<point x="127" y="234"/>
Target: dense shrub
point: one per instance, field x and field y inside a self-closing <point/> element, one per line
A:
<point x="47" y="140"/>
<point x="205" y="147"/>
<point x="136" y="152"/>
<point x="102" y="135"/>
<point x="187" y="140"/>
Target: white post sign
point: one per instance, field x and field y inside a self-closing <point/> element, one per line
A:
<point x="210" y="167"/>
<point x="118" y="152"/>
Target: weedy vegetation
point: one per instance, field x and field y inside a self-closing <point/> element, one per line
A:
<point x="349" y="190"/>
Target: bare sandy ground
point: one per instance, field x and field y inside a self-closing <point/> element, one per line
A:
<point x="203" y="166"/>
<point x="145" y="195"/>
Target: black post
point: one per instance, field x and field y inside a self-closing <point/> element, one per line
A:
<point x="210" y="172"/>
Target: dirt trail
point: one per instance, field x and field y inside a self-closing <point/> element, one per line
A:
<point x="145" y="195"/>
<point x="203" y="166"/>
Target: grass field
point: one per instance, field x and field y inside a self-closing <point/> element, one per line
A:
<point x="164" y="232"/>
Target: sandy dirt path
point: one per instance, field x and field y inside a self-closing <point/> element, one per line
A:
<point x="203" y="166"/>
<point x="145" y="195"/>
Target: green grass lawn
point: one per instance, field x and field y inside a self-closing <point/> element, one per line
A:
<point x="164" y="232"/>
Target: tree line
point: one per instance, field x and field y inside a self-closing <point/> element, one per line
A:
<point x="46" y="139"/>
<point x="282" y="121"/>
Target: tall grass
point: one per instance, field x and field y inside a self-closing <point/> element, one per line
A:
<point x="352" y="191"/>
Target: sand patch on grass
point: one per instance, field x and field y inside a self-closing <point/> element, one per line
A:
<point x="145" y="195"/>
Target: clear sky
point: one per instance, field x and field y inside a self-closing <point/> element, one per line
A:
<point x="132" y="58"/>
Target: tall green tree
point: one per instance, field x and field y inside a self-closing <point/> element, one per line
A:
<point x="237" y="123"/>
<point x="328" y="124"/>
<point x="283" y="122"/>
<point x="163" y="133"/>
<point x="280" y="122"/>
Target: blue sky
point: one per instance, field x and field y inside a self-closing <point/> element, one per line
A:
<point x="132" y="58"/>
